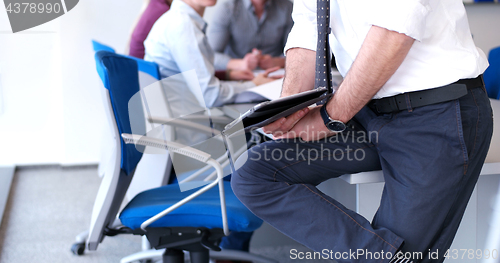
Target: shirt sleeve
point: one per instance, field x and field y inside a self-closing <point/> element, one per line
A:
<point x="188" y="52"/>
<point x="407" y="17"/>
<point x="304" y="33"/>
<point x="220" y="60"/>
<point x="218" y="33"/>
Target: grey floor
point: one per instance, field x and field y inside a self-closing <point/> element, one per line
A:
<point x="48" y="206"/>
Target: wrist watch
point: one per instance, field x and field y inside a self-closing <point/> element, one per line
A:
<point x="332" y="125"/>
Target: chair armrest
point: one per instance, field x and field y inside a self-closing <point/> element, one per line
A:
<point x="171" y="146"/>
<point x="216" y="115"/>
<point x="215" y="119"/>
<point x="184" y="124"/>
<point x="189" y="152"/>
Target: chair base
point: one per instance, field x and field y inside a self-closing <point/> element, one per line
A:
<point x="173" y="256"/>
<point x="184" y="238"/>
<point x="225" y="254"/>
<point x="177" y="256"/>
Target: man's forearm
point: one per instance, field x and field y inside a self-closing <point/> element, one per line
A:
<point x="380" y="56"/>
<point x="299" y="71"/>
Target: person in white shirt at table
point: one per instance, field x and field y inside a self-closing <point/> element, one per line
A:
<point x="178" y="44"/>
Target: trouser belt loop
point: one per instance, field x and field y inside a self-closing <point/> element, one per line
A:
<point x="410" y="100"/>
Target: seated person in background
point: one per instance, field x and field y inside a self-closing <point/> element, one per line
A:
<point x="153" y="11"/>
<point x="246" y="34"/>
<point x="177" y="43"/>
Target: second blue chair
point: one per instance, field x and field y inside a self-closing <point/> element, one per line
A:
<point x="492" y="74"/>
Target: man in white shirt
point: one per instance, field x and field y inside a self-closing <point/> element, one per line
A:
<point x="412" y="103"/>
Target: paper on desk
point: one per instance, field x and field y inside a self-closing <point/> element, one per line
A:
<point x="270" y="90"/>
<point x="279" y="72"/>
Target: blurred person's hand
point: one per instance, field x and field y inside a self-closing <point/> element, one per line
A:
<point x="249" y="62"/>
<point x="263" y="78"/>
<point x="252" y="59"/>
<point x="240" y="74"/>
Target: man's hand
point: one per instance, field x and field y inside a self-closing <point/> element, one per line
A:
<point x="306" y="124"/>
<point x="284" y="125"/>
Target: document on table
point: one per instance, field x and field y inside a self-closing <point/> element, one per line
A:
<point x="279" y="72"/>
<point x="270" y="90"/>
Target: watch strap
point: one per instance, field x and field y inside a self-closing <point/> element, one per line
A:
<point x="332" y="125"/>
<point x="324" y="115"/>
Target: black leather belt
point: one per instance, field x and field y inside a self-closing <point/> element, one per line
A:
<point x="410" y="100"/>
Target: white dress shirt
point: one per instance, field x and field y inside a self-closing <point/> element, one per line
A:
<point x="443" y="52"/>
<point x="177" y="43"/>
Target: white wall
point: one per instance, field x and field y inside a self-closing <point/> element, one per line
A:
<point x="51" y="105"/>
<point x="30" y="126"/>
<point x="484" y="22"/>
<point x="51" y="100"/>
<point x="109" y="22"/>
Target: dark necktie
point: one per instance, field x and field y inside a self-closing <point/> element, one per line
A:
<point x="323" y="67"/>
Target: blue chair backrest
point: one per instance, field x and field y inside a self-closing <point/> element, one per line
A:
<point x="150" y="68"/>
<point x="119" y="74"/>
<point x="98" y="46"/>
<point x="492" y="74"/>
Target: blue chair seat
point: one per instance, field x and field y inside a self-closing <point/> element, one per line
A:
<point x="203" y="211"/>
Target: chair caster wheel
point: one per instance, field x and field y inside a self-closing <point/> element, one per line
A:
<point x="78" y="248"/>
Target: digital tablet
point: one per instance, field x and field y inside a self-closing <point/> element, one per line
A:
<point x="267" y="112"/>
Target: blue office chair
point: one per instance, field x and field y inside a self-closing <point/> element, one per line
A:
<point x="492" y="74"/>
<point x="193" y="220"/>
<point x="148" y="74"/>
